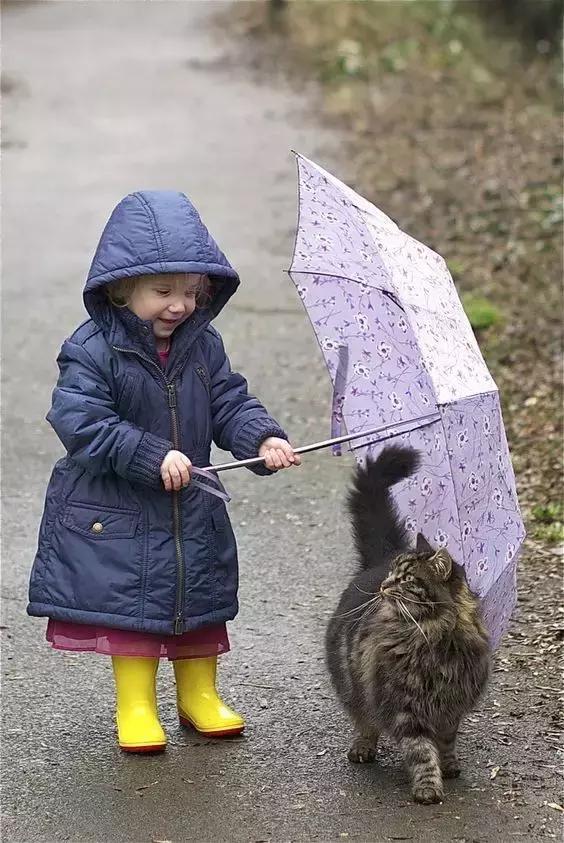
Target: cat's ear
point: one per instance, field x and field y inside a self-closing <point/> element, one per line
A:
<point x="441" y="563"/>
<point x="422" y="545"/>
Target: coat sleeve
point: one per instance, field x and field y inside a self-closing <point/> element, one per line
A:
<point x="240" y="422"/>
<point x="85" y="419"/>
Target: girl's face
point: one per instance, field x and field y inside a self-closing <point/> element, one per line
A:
<point x="166" y="301"/>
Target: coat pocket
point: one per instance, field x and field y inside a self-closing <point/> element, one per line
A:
<point x="97" y="560"/>
<point x="101" y="523"/>
<point x="203" y="374"/>
<point x="203" y="439"/>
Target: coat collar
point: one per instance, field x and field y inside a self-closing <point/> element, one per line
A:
<point x="127" y="332"/>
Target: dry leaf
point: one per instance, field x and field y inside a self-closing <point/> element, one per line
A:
<point x="145" y="786"/>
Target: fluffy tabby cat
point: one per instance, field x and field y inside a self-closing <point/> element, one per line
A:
<point x="406" y="648"/>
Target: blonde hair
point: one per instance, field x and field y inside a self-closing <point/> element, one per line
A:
<point x="119" y="292"/>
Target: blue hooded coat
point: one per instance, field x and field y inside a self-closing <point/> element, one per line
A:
<point x="115" y="549"/>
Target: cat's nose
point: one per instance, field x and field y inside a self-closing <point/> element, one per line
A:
<point x="386" y="585"/>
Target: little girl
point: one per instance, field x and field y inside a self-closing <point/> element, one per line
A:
<point x="134" y="560"/>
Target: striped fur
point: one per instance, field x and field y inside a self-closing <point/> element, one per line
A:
<point x="406" y="648"/>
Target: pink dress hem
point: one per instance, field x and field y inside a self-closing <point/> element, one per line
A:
<point x="107" y="641"/>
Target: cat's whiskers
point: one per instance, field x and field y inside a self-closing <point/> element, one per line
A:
<point x="373" y="600"/>
<point x="371" y="593"/>
<point x="407" y="614"/>
<point x="370" y="610"/>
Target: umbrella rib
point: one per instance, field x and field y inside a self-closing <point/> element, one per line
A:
<point x="391" y="435"/>
<point x="457" y="502"/>
<point x="347" y="278"/>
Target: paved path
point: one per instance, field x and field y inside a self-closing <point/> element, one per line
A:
<point x="101" y="99"/>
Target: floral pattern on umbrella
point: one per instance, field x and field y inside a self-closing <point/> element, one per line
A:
<point x="401" y="353"/>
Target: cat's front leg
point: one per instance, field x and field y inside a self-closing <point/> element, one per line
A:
<point x="446" y="743"/>
<point x="421" y="758"/>
<point x="363" y="749"/>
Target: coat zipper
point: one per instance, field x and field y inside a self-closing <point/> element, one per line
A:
<point x="176" y="518"/>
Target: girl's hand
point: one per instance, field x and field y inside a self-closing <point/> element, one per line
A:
<point x="278" y="453"/>
<point x="175" y="471"/>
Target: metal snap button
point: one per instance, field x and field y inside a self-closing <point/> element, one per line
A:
<point x="97" y="527"/>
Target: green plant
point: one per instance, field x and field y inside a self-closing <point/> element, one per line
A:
<point x="548" y="513"/>
<point x="481" y="313"/>
<point x="551" y="533"/>
<point x="549" y="522"/>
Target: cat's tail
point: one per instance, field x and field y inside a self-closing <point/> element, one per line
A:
<point x="377" y="528"/>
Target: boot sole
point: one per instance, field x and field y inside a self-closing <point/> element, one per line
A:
<point x="160" y="747"/>
<point x="220" y="733"/>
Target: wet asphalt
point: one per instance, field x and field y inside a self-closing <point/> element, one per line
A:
<point x="101" y="99"/>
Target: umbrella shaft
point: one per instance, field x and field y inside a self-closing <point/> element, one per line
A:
<point x="316" y="446"/>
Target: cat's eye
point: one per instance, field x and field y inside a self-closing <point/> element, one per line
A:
<point x="409" y="578"/>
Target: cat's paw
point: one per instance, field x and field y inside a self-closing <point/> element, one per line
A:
<point x="362" y="752"/>
<point x="427" y="795"/>
<point x="451" y="771"/>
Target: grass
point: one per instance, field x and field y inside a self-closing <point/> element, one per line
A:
<point x="548" y="522"/>
<point x="480" y="312"/>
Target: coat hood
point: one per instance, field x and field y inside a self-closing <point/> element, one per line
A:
<point x="151" y="232"/>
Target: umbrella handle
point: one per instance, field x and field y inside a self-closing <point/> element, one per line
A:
<point x="316" y="446"/>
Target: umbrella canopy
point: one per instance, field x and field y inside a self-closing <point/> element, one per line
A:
<point x="402" y="355"/>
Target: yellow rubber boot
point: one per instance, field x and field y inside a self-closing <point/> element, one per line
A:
<point x="199" y="704"/>
<point x="137" y="719"/>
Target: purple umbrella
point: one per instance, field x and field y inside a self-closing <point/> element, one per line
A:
<point x="403" y="357"/>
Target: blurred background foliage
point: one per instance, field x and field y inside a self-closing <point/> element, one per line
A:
<point x="450" y="113"/>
